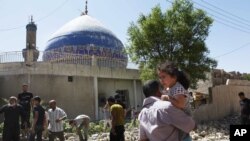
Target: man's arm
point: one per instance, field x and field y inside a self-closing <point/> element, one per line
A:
<point x="36" y="115"/>
<point x="178" y="100"/>
<point x="31" y="97"/>
<point x="248" y="106"/>
<point x="19" y="98"/>
<point x="178" y="118"/>
<point x="142" y="133"/>
<point x="45" y="120"/>
<point x="2" y="109"/>
<point x="63" y="116"/>
<point x="125" y="112"/>
<point x="165" y="97"/>
<point x="113" y="121"/>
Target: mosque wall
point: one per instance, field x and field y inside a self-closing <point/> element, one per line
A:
<point x="73" y="96"/>
<point x="139" y="94"/>
<point x="108" y="87"/>
<point x="51" y="81"/>
<point x="10" y="85"/>
<point x="67" y="69"/>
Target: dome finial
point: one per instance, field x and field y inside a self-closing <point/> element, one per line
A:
<point x="86" y="7"/>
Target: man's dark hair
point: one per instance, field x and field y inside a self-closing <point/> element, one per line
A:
<point x="117" y="96"/>
<point x="191" y="93"/>
<point x="151" y="87"/>
<point x="241" y="94"/>
<point x="71" y="121"/>
<point x="111" y="99"/>
<point x="37" y="98"/>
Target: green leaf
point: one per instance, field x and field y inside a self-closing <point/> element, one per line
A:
<point x="177" y="34"/>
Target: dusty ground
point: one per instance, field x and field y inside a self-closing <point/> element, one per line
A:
<point x="216" y="130"/>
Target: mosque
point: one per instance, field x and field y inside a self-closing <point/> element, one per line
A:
<point x="82" y="65"/>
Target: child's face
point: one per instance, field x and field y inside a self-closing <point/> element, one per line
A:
<point x="166" y="80"/>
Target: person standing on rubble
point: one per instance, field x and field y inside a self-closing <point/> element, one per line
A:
<point x="245" y="108"/>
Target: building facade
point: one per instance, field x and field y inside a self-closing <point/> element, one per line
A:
<point x="83" y="64"/>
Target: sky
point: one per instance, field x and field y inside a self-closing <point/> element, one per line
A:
<point x="228" y="40"/>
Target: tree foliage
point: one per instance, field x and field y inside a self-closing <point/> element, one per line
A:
<point x="246" y="77"/>
<point x="177" y="35"/>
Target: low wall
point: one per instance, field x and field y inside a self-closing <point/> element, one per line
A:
<point x="225" y="101"/>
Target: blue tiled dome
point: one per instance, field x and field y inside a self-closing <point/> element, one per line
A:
<point x="85" y="36"/>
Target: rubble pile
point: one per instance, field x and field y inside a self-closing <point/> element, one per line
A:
<point x="215" y="130"/>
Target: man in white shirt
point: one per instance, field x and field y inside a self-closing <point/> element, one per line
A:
<point x="81" y="122"/>
<point x="55" y="118"/>
<point x="160" y="120"/>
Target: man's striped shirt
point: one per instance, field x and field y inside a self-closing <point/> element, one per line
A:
<point x="52" y="116"/>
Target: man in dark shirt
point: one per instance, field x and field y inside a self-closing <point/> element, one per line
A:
<point x="39" y="120"/>
<point x="245" y="108"/>
<point x="24" y="99"/>
<point x="12" y="111"/>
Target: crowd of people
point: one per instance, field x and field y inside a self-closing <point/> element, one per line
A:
<point x="48" y="121"/>
<point x="165" y="115"/>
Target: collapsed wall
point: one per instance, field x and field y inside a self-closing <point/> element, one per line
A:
<point x="225" y="101"/>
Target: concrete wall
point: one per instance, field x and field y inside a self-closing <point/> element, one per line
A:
<point x="50" y="81"/>
<point x="108" y="87"/>
<point x="139" y="94"/>
<point x="238" y="82"/>
<point x="67" y="69"/>
<point x="225" y="101"/>
<point x="11" y="85"/>
<point x="73" y="97"/>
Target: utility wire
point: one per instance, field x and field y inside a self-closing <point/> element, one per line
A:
<point x="41" y="19"/>
<point x="234" y="50"/>
<point x="233" y="26"/>
<point x="52" y="12"/>
<point x="240" y="18"/>
<point x="220" y="20"/>
<point x="233" y="21"/>
<point x="12" y="28"/>
<point x="236" y="28"/>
